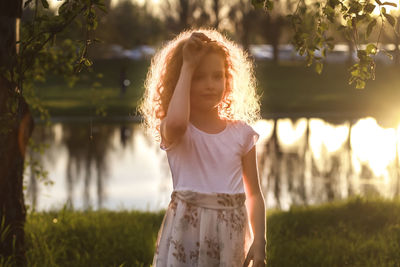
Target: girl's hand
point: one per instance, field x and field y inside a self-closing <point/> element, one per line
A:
<point x="257" y="255"/>
<point x="194" y="49"/>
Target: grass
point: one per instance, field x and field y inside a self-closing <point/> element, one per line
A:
<point x="83" y="98"/>
<point x="91" y="238"/>
<point x="356" y="232"/>
<point x="287" y="87"/>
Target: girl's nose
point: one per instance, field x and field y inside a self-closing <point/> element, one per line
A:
<point x="209" y="82"/>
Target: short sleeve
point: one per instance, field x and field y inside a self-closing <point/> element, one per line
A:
<point x="250" y="138"/>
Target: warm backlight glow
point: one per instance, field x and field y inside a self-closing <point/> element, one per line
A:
<point x="373" y="145"/>
<point x="264" y="128"/>
<point x="389" y="9"/>
<point x="55" y="4"/>
<point x="325" y="136"/>
<point x="290" y="133"/>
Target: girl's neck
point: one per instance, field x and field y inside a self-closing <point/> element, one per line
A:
<point x="208" y="121"/>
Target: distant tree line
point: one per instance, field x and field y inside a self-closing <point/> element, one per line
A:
<point x="130" y="24"/>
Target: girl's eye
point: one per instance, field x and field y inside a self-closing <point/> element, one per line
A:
<point x="198" y="76"/>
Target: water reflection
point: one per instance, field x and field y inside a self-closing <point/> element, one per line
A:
<point x="87" y="148"/>
<point x="301" y="161"/>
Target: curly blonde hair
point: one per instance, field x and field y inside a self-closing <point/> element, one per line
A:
<point x="240" y="101"/>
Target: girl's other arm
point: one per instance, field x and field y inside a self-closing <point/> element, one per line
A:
<point x="178" y="113"/>
<point x="256" y="209"/>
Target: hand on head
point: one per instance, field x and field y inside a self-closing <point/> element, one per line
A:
<point x="195" y="48"/>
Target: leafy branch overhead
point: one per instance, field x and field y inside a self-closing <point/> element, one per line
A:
<point x="312" y="23"/>
<point x="38" y="37"/>
<point x="39" y="51"/>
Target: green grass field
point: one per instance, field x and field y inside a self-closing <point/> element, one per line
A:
<point x="285" y="88"/>
<point x="354" y="232"/>
<point x="92" y="238"/>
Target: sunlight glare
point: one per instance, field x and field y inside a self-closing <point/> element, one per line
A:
<point x="328" y="136"/>
<point x="398" y="141"/>
<point x="55" y="4"/>
<point x="389" y="9"/>
<point x="289" y="133"/>
<point x="373" y="144"/>
<point x="264" y="128"/>
<point x="58" y="133"/>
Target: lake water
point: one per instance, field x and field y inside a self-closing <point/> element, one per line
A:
<point x="301" y="161"/>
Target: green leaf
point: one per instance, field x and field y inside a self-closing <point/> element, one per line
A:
<point x="102" y="7"/>
<point x="355" y="7"/>
<point x="318" y="67"/>
<point x="269" y="5"/>
<point x="88" y="63"/>
<point x="390" y="19"/>
<point x="371" y="49"/>
<point x="333" y="3"/>
<point x="323" y="52"/>
<point x="360" y="84"/>
<point x="355" y="73"/>
<point x="369" y="8"/>
<point x="329" y="11"/>
<point x="370" y="27"/>
<point x="27" y="3"/>
<point x="45" y="4"/>
<point x="361" y="54"/>
<point x="389" y="4"/>
<point x="63" y="9"/>
<point x="258" y="3"/>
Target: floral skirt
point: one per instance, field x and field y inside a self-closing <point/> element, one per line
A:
<point x="203" y="230"/>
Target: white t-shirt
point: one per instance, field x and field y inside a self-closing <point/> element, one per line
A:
<point x="211" y="163"/>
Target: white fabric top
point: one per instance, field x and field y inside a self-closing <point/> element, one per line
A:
<point x="211" y="163"/>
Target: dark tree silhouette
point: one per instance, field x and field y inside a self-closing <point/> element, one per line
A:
<point x="20" y="62"/>
<point x="16" y="128"/>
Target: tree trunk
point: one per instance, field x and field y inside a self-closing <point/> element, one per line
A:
<point x="351" y="47"/>
<point x="272" y="31"/>
<point x="216" y="8"/>
<point x="16" y="125"/>
<point x="183" y="14"/>
<point x="275" y="51"/>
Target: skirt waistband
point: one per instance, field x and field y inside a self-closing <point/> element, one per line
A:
<point x="211" y="201"/>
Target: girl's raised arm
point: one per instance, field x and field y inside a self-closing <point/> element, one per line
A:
<point x="174" y="124"/>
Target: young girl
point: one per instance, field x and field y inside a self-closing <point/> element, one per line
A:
<point x="200" y="95"/>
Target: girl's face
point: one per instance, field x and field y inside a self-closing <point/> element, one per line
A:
<point x="208" y="83"/>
